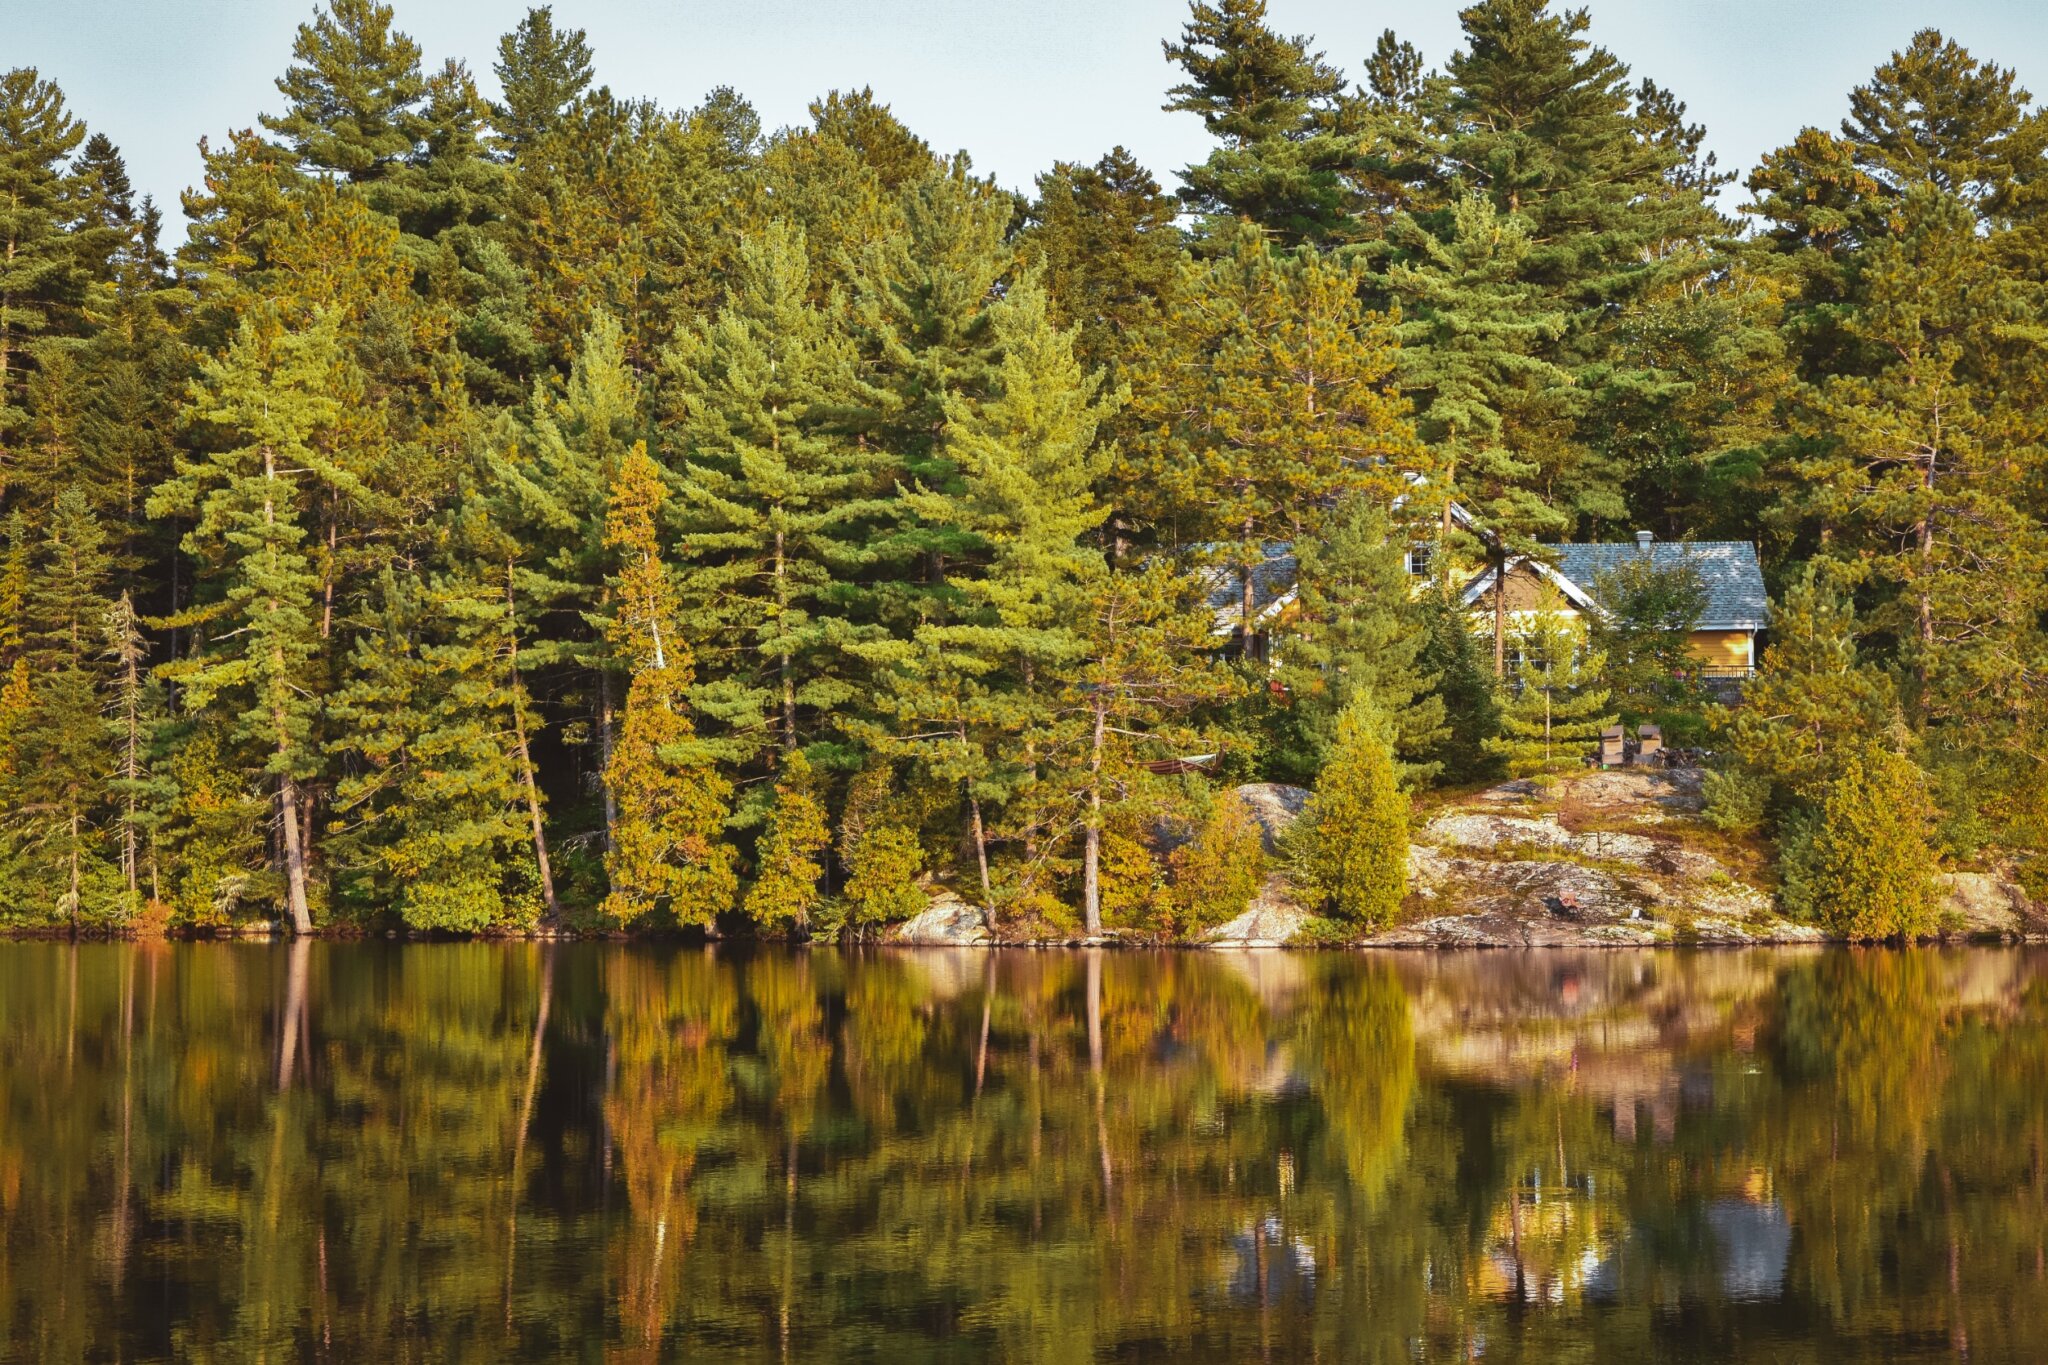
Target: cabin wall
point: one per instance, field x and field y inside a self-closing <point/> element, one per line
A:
<point x="1724" y="648"/>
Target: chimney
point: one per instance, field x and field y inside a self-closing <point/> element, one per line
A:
<point x="1643" y="539"/>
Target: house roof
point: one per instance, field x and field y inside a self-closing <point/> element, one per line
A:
<point x="1728" y="569"/>
<point x="1273" y="585"/>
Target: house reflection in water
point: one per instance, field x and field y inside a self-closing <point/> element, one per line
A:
<point x="1269" y="1267"/>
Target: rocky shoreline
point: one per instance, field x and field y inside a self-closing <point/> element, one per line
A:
<point x="1599" y="860"/>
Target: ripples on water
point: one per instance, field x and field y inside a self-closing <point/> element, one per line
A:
<point x="490" y="1152"/>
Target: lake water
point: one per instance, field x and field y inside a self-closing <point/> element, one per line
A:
<point x="381" y="1152"/>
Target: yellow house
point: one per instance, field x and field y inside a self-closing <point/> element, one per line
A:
<point x="1737" y="607"/>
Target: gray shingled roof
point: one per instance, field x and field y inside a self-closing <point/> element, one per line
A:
<point x="1272" y="579"/>
<point x="1736" y="599"/>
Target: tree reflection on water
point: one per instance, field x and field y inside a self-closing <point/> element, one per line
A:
<point x="498" y="1151"/>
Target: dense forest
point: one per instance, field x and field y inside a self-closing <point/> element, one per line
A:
<point x="570" y="510"/>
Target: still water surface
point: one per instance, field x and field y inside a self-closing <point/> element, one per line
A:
<point x="360" y="1152"/>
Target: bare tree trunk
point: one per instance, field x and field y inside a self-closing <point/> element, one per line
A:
<point x="981" y="854"/>
<point x="604" y="753"/>
<point x="1500" y="614"/>
<point x="526" y="776"/>
<point x="294" y="851"/>
<point x="1091" y="848"/>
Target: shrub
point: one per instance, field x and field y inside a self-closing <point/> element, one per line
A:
<point x="1870" y="866"/>
<point x="1735" y="800"/>
<point x="881" y="852"/>
<point x="1352" y="849"/>
<point x="1216" y="874"/>
<point x="785" y="890"/>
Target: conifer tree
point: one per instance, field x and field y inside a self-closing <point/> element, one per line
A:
<point x="667" y="845"/>
<point x="1873" y="857"/>
<point x="1217" y="871"/>
<point x="785" y="889"/>
<point x="775" y="503"/>
<point x="1358" y="633"/>
<point x="39" y="259"/>
<point x="974" y="690"/>
<point x="1105" y="241"/>
<point x="1148" y="672"/>
<point x="1273" y="105"/>
<point x="1261" y="404"/>
<point x="353" y="92"/>
<point x="542" y="70"/>
<point x="1353" y="844"/>
<point x="1556" y="706"/>
<point x="268" y="399"/>
<point x="1814" y="698"/>
<point x="60" y="763"/>
<point x="432" y="806"/>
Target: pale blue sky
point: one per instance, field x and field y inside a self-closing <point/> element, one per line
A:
<point x="1019" y="83"/>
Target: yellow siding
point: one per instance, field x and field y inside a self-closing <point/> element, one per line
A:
<point x="1723" y="648"/>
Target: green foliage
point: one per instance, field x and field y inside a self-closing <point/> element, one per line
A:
<point x="941" y="480"/>
<point x="1349" y="848"/>
<point x="1557" y="705"/>
<point x="1814" y="698"/>
<point x="880" y="852"/>
<point x="1868" y="873"/>
<point x="1358" y="635"/>
<point x="1735" y="799"/>
<point x="1216" y="873"/>
<point x="785" y="888"/>
<point x="1644" y="628"/>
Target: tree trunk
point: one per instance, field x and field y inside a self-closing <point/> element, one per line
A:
<point x="1500" y="614"/>
<point x="294" y="850"/>
<point x="604" y="753"/>
<point x="1091" y="850"/>
<point x="540" y="838"/>
<point x="981" y="857"/>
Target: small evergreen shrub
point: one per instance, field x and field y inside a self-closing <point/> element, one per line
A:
<point x="1351" y="852"/>
<point x="1735" y="800"/>
<point x="1871" y="860"/>
<point x="1216" y="874"/>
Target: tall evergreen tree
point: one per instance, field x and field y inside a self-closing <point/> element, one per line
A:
<point x="269" y="401"/>
<point x="352" y="94"/>
<point x="1272" y="105"/>
<point x="776" y="504"/>
<point x="1262" y="404"/>
<point x="542" y="70"/>
<point x="667" y="847"/>
<point x="1358" y="634"/>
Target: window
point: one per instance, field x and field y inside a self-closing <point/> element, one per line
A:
<point x="1418" y="559"/>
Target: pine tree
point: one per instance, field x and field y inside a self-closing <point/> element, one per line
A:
<point x="1358" y="633"/>
<point x="1919" y="439"/>
<point x="785" y="889"/>
<point x="1273" y="105"/>
<point x="39" y="260"/>
<point x="353" y="92"/>
<point x="667" y="842"/>
<point x="53" y="851"/>
<point x="1353" y="847"/>
<point x="972" y="692"/>
<point x="1262" y="404"/>
<point x="1105" y="240"/>
<point x="432" y="807"/>
<point x="775" y="503"/>
<point x="542" y="71"/>
<point x="1556" y="707"/>
<point x="1148" y="672"/>
<point x="268" y="397"/>
<point x="1814" y="697"/>
<point x="1873" y="855"/>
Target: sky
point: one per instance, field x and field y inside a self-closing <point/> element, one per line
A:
<point x="1018" y="83"/>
